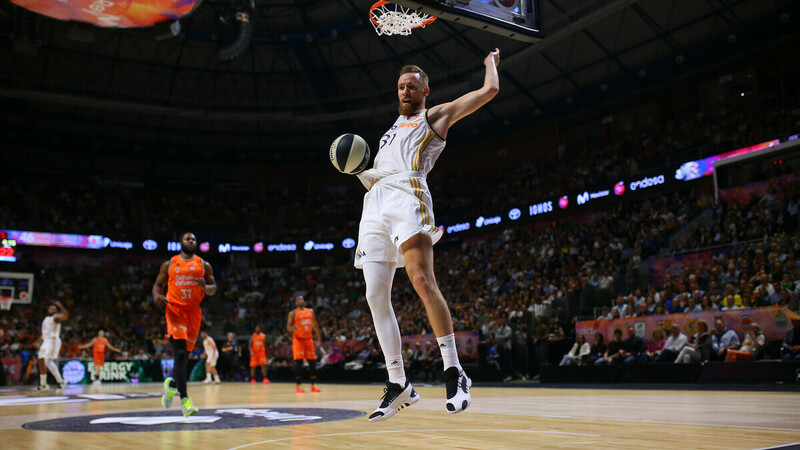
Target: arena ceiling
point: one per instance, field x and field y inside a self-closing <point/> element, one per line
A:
<point x="316" y="69"/>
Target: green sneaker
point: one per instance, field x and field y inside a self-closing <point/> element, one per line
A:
<point x="188" y="407"/>
<point x="169" y="393"/>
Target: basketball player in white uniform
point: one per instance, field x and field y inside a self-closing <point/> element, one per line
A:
<point x="212" y="355"/>
<point x="397" y="229"/>
<point x="51" y="345"/>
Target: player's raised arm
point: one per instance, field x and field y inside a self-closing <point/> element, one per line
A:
<point x="442" y="117"/>
<point x="158" y="286"/>
<point x="62" y="315"/>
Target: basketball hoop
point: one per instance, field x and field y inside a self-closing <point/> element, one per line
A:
<point x="5" y="303"/>
<point x="398" y="21"/>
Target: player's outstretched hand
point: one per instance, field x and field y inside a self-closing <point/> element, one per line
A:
<point x="493" y="56"/>
<point x="160" y="301"/>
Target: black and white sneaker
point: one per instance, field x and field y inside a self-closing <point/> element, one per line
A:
<point x="395" y="398"/>
<point x="457" y="384"/>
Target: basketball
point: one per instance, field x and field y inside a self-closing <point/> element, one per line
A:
<point x="349" y="154"/>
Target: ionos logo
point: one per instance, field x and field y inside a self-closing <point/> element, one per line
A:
<point x="174" y="246"/>
<point x="207" y="419"/>
<point x="647" y="182"/>
<point x="458" y="227"/>
<point x="540" y="208"/>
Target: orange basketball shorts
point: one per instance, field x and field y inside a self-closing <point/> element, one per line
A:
<point x="98" y="359"/>
<point x="258" y="359"/>
<point x="183" y="322"/>
<point x="303" y="348"/>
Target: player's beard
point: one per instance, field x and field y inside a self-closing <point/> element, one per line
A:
<point x="187" y="251"/>
<point x="407" y="109"/>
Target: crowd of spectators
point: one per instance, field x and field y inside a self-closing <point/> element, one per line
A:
<point x="521" y="289"/>
<point x="251" y="208"/>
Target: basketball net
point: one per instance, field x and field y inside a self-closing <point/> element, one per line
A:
<point x="399" y="21"/>
<point x="5" y="303"/>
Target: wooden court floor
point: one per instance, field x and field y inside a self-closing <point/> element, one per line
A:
<point x="498" y="418"/>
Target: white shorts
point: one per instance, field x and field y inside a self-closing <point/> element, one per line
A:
<point x="397" y="208"/>
<point x="212" y="360"/>
<point x="50" y="348"/>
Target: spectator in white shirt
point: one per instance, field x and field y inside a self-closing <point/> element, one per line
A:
<point x="675" y="342"/>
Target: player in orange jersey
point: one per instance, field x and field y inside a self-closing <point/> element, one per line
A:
<point x="258" y="355"/>
<point x="99" y="344"/>
<point x="188" y="279"/>
<point x="302" y="324"/>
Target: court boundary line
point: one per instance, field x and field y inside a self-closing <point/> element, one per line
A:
<point x="269" y="441"/>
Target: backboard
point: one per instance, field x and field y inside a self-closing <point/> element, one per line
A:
<point x="17" y="285"/>
<point x="515" y="19"/>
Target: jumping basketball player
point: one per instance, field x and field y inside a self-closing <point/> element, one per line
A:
<point x="189" y="279"/>
<point x="397" y="228"/>
<point x="302" y="324"/>
<point x="51" y="345"/>
<point x="212" y="354"/>
<point x="258" y="355"/>
<point x="99" y="344"/>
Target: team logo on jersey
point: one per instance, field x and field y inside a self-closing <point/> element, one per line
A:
<point x="177" y="269"/>
<point x="206" y="419"/>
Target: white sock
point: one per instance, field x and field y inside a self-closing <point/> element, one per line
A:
<point x="447" y="346"/>
<point x="378" y="277"/>
<point x="397" y="374"/>
<point x="215" y="377"/>
<point x="42" y="379"/>
<point x="54" y="370"/>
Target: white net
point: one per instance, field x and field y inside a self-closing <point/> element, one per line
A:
<point x="5" y="303"/>
<point x="397" y="21"/>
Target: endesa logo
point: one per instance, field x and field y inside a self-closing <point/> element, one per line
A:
<point x="619" y="188"/>
<point x="458" y="227"/>
<point x="647" y="182"/>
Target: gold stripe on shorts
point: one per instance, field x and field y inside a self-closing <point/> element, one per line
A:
<point x="418" y="192"/>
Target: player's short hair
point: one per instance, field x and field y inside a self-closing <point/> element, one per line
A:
<point x="411" y="68"/>
<point x="183" y="235"/>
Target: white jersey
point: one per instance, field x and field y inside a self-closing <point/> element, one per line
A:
<point x="398" y="205"/>
<point x="51" y="339"/>
<point x="50" y="328"/>
<point x="210" y="347"/>
<point x="410" y="145"/>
